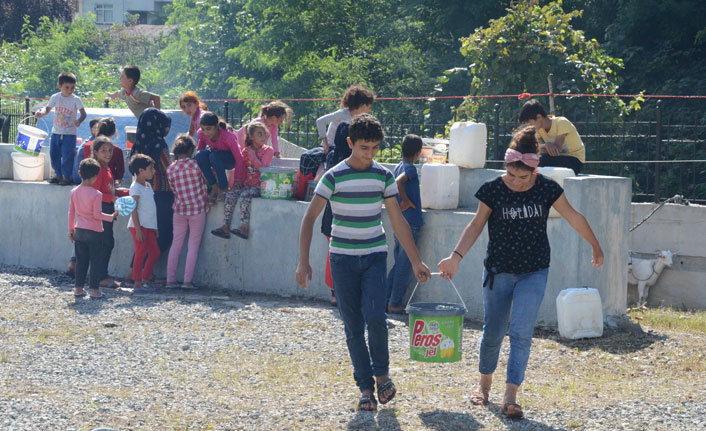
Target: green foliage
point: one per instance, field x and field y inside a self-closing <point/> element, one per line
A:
<point x="516" y="53"/>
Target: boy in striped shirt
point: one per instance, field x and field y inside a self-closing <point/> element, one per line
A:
<point x="357" y="187"/>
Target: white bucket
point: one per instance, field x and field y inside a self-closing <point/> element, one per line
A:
<point x="29" y="139"/>
<point x="467" y="144"/>
<point x="579" y="313"/>
<point x="558" y="175"/>
<point x="440" y="186"/>
<point x="26" y="167"/>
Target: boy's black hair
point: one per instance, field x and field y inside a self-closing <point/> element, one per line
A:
<point x="356" y="96"/>
<point x="107" y="127"/>
<point x="99" y="142"/>
<point x="65" y="77"/>
<point x="132" y="72"/>
<point x="365" y="127"/>
<point x="530" y="110"/>
<point x="411" y="145"/>
<point x="88" y="168"/>
<point x="93" y="121"/>
<point x="184" y="144"/>
<point x="140" y="161"/>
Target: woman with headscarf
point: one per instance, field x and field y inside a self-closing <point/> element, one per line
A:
<point x="152" y="127"/>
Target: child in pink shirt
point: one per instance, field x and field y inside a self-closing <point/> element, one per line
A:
<point x="218" y="150"/>
<point x="85" y="229"/>
<point x="256" y="155"/>
<point x="271" y="115"/>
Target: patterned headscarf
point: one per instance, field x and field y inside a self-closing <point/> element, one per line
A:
<point x="152" y="127"/>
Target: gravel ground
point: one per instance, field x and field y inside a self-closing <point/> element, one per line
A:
<point x="204" y="360"/>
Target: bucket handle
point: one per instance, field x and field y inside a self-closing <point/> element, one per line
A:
<point x="452" y="285"/>
<point x="32" y="116"/>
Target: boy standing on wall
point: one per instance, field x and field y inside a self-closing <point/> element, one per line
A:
<point x="63" y="132"/>
<point x="136" y="98"/>
<point x="357" y="187"/>
<point x="411" y="205"/>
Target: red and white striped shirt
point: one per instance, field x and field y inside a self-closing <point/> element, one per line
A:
<point x="189" y="186"/>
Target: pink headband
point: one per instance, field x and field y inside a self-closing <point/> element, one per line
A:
<point x="529" y="159"/>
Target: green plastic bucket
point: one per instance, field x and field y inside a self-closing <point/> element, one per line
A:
<point x="435" y="329"/>
<point x="277" y="183"/>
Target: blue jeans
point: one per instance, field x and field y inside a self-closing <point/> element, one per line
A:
<point x="359" y="284"/>
<point x="399" y="276"/>
<point x="219" y="161"/>
<point x="61" y="153"/>
<point x="522" y="294"/>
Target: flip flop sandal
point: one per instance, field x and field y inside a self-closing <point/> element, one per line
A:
<point x="367" y="403"/>
<point x="219" y="233"/>
<point x="386" y="386"/>
<point x="80" y="295"/>
<point x="479" y="398"/>
<point x="97" y="297"/>
<point x="517" y="414"/>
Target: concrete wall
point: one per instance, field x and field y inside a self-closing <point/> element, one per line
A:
<point x="677" y="228"/>
<point x="34" y="232"/>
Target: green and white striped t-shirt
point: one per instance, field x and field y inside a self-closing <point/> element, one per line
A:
<point x="356" y="202"/>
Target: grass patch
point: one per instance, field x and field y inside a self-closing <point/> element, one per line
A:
<point x="671" y="319"/>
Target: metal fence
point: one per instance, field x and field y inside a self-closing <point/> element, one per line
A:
<point x="662" y="147"/>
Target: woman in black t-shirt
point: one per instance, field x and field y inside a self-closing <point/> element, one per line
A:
<point x="515" y="206"/>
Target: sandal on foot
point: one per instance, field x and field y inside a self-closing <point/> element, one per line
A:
<point x="479" y="398"/>
<point x="55" y="180"/>
<point x="80" y="295"/>
<point x="512" y="410"/>
<point x="386" y="386"/>
<point x="367" y="403"/>
<point x="239" y="233"/>
<point x="102" y="296"/>
<point x="219" y="233"/>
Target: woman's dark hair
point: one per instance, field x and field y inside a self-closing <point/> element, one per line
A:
<point x="106" y="127"/>
<point x="525" y="141"/>
<point x="530" y="110"/>
<point x="184" y="144"/>
<point x="250" y="129"/>
<point x="93" y="121"/>
<point x="276" y="109"/>
<point x="356" y="96"/>
<point x="139" y="161"/>
<point x="98" y="143"/>
<point x="211" y="119"/>
<point x="88" y="168"/>
<point x="365" y="127"/>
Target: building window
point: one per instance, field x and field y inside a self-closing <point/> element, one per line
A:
<point x="104" y="13"/>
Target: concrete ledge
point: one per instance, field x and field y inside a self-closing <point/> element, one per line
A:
<point x="34" y="234"/>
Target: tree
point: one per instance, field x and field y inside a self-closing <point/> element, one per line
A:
<point x="515" y="54"/>
<point x="12" y="13"/>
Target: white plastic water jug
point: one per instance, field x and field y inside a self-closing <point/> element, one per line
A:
<point x="440" y="185"/>
<point x="579" y="313"/>
<point x="467" y="144"/>
<point x="26" y="167"/>
<point x="558" y="175"/>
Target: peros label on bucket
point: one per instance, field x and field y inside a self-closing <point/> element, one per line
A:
<point x="435" y="339"/>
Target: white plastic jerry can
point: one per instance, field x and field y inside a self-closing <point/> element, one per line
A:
<point x="467" y="144"/>
<point x="558" y="175"/>
<point x="440" y="186"/>
<point x="579" y="313"/>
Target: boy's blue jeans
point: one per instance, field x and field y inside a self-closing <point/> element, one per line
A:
<point x="400" y="274"/>
<point x="359" y="284"/>
<point x="61" y="153"/>
<point x="519" y="295"/>
<point x="219" y="161"/>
